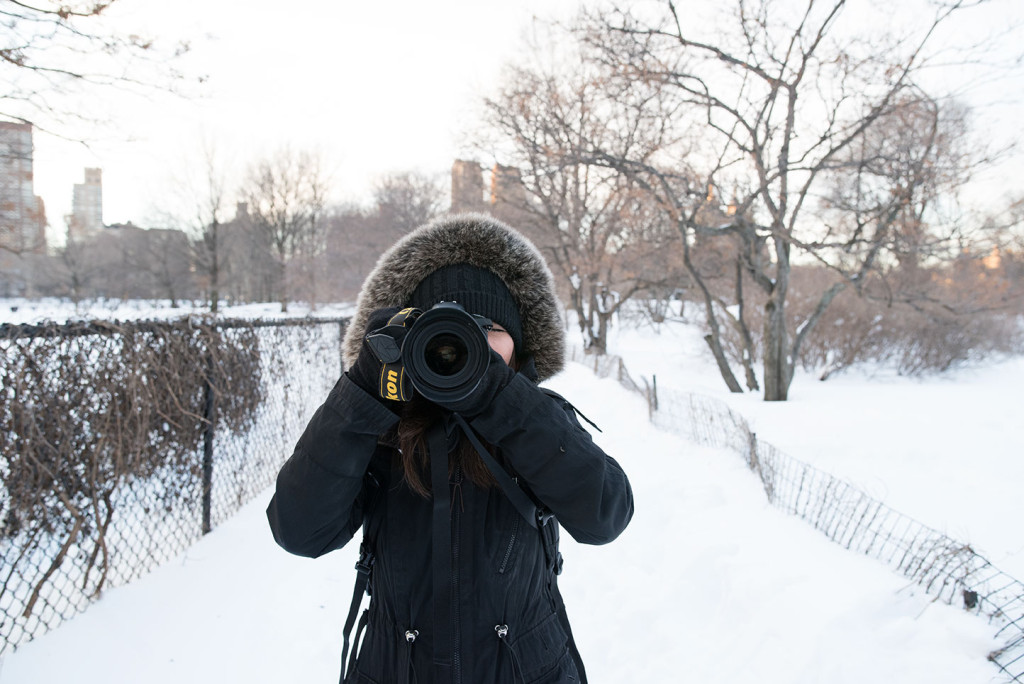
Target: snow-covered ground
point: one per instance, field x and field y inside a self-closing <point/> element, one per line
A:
<point x="709" y="583"/>
<point x="19" y="310"/>
<point x="944" y="449"/>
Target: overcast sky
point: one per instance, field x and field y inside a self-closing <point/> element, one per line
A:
<point x="374" y="87"/>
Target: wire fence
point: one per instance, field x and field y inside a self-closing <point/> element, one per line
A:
<point x="947" y="569"/>
<point x="121" y="444"/>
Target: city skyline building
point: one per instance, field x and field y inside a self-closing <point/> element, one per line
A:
<point x="506" y="198"/>
<point x="467" y="186"/>
<point x="87" y="205"/>
<point x="22" y="214"/>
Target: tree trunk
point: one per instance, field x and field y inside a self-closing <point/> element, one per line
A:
<point x="778" y="365"/>
<point x="283" y="284"/>
<point x="214" y="269"/>
<point x="714" y="338"/>
<point x="723" y="364"/>
<point x="748" y="340"/>
<point x="776" y="380"/>
<point x="581" y="319"/>
<point x="600" y="343"/>
<point x="312" y="283"/>
<point x="586" y="310"/>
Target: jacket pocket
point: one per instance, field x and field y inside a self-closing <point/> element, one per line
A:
<point x="358" y="677"/>
<point x="539" y="655"/>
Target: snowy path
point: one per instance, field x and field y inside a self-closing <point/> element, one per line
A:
<point x="709" y="584"/>
<point x="944" y="450"/>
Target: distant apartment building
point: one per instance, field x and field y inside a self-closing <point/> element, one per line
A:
<point x="467" y="186"/>
<point x="87" y="205"/>
<point x="508" y="194"/>
<point x="22" y="215"/>
<point x="507" y="199"/>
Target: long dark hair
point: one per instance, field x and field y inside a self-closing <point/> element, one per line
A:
<point x="411" y="441"/>
<point x="411" y="437"/>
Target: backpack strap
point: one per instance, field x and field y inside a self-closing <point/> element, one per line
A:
<point x="549" y="538"/>
<point x="563" y="620"/>
<point x="364" y="571"/>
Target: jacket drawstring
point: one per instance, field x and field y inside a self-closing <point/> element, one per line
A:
<point x="517" y="669"/>
<point x="406" y="670"/>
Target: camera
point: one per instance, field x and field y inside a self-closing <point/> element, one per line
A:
<point x="443" y="351"/>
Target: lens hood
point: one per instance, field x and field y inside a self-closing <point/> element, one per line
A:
<point x="445" y="353"/>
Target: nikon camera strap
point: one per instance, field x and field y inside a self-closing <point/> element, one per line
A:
<point x="512" y="491"/>
<point x="385" y="344"/>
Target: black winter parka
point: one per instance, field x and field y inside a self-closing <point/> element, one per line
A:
<point x="507" y="618"/>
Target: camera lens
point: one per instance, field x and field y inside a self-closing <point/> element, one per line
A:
<point x="446" y="354"/>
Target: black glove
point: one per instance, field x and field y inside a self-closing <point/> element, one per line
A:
<point x="370" y="373"/>
<point x="496" y="377"/>
<point x="528" y="367"/>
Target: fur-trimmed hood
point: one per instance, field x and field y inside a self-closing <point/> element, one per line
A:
<point x="479" y="240"/>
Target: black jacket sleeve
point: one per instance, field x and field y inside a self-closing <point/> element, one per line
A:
<point x="317" y="505"/>
<point x="539" y="436"/>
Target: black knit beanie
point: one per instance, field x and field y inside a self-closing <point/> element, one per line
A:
<point x="477" y="289"/>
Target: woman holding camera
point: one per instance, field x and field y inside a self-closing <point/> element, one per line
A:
<point x="460" y="490"/>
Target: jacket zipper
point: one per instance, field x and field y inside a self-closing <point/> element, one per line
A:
<point x="511" y="545"/>
<point x="456" y="637"/>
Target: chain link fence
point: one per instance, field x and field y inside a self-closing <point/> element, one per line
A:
<point x="949" y="570"/>
<point x="122" y="443"/>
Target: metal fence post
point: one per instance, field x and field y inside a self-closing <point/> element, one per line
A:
<point x="157" y="503"/>
<point x="209" y="416"/>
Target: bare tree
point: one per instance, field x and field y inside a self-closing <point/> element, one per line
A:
<point x="781" y="100"/>
<point x="78" y="268"/>
<point x="894" y="191"/>
<point x="356" y="235"/>
<point x="406" y="200"/>
<point x="286" y="196"/>
<point x="249" y="267"/>
<point x="546" y="120"/>
<point x="712" y="259"/>
<point x="53" y="53"/>
<point x="201" y="197"/>
<point x="166" y="258"/>
<point x="314" y="246"/>
<point x="354" y="243"/>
